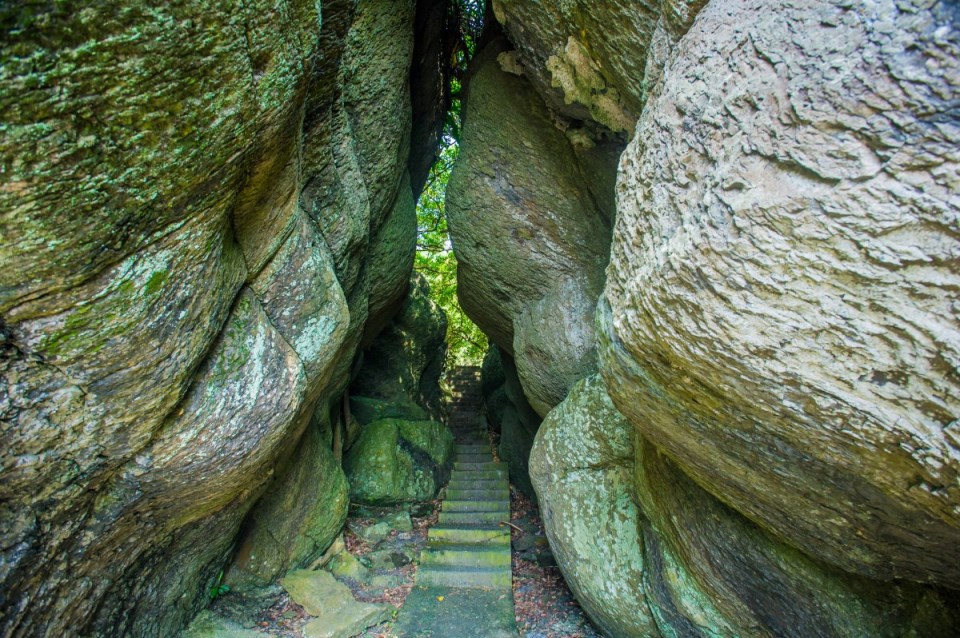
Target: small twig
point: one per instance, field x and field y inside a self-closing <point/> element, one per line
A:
<point x="513" y="526"/>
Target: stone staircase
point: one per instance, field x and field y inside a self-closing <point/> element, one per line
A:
<point x="464" y="586"/>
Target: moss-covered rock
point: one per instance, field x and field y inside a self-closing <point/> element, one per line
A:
<point x="202" y="206"/>
<point x="366" y="410"/>
<point x="582" y="469"/>
<point x="402" y="366"/>
<point x="210" y="625"/>
<point x="396" y="461"/>
<point x="297" y="518"/>
<point x="650" y="553"/>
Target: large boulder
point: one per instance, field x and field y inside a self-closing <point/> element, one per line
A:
<point x="397" y="461"/>
<point x="676" y="561"/>
<point x="202" y="209"/>
<point x="582" y="469"/>
<point x="527" y="232"/>
<point x="779" y="315"/>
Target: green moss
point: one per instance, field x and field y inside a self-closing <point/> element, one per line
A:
<point x="155" y="282"/>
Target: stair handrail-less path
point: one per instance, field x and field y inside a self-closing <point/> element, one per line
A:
<point x="464" y="586"/>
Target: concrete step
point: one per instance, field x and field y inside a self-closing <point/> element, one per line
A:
<point x="478" y="495"/>
<point x="472" y="448"/>
<point x="468" y="518"/>
<point x="467" y="533"/>
<point x="466" y="555"/>
<point x="483" y="467"/>
<point x="466" y="482"/>
<point x="478" y="475"/>
<point x="453" y="576"/>
<point x="475" y="506"/>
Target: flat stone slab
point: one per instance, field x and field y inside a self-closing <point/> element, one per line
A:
<point x="446" y="612"/>
<point x="338" y="615"/>
<point x="211" y="625"/>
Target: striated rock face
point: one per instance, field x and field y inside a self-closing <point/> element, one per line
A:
<point x="203" y="210"/>
<point x="650" y="553"/>
<point x="779" y="315"/>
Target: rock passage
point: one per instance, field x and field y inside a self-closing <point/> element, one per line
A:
<point x="464" y="585"/>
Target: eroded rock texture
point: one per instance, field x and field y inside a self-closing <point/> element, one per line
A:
<point x="528" y="235"/>
<point x="650" y="553"/>
<point x="780" y="310"/>
<point x="778" y="324"/>
<point x="204" y="208"/>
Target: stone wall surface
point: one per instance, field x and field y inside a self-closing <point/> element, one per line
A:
<point x="650" y="553"/>
<point x="779" y="315"/>
<point x="204" y="208"/>
<point x="778" y="323"/>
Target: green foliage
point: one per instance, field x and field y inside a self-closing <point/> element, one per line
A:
<point x="435" y="261"/>
<point x="219" y="588"/>
<point x="435" y="258"/>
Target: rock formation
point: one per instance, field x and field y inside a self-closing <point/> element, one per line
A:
<point x="777" y="319"/>
<point x="714" y="242"/>
<point x="204" y="211"/>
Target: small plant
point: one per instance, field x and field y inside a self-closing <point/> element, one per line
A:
<point x="219" y="587"/>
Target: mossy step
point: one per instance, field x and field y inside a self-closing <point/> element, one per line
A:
<point x="491" y="465"/>
<point x="475" y="506"/>
<point x="467" y="533"/>
<point x="466" y="555"/>
<point x="480" y="457"/>
<point x="466" y="518"/>
<point x="478" y="448"/>
<point x="450" y="612"/>
<point x="455" y="576"/>
<point x="478" y="494"/>
<point x="477" y="475"/>
<point x="461" y="482"/>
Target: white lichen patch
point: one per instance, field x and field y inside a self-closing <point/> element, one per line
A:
<point x="579" y="77"/>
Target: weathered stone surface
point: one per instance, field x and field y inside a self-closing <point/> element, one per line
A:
<point x="298" y="517"/>
<point x="590" y="60"/>
<point x="708" y="566"/>
<point x="402" y="366"/>
<point x="338" y="614"/>
<point x="134" y="73"/>
<point x="778" y="311"/>
<point x="395" y="461"/>
<point x="525" y="227"/>
<point x="171" y="311"/>
<point x="551" y="359"/>
<point x="301" y="295"/>
<point x="377" y="97"/>
<point x="390" y="261"/>
<point x="582" y="468"/>
<point x="210" y="625"/>
<point x="682" y="563"/>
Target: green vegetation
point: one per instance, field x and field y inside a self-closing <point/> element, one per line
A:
<point x="435" y="258"/>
